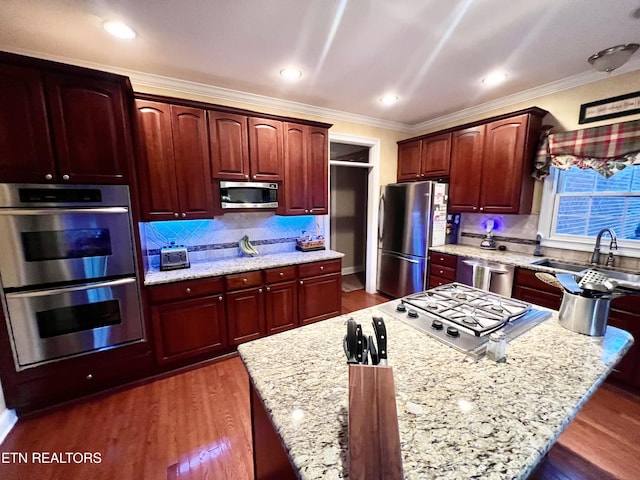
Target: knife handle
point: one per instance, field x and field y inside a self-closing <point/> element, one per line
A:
<point x="351" y="341"/>
<point x="359" y="343"/>
<point x="373" y="352"/>
<point x="381" y="336"/>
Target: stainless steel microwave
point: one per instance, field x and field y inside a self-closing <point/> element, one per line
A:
<point x="248" y="195"/>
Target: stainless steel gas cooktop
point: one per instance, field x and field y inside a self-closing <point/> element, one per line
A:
<point x="463" y="316"/>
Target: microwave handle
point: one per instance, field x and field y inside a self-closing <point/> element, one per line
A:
<point x="75" y="288"/>
<point x="57" y="211"/>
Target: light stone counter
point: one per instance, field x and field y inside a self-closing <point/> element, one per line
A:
<point x="237" y="265"/>
<point x="457" y="418"/>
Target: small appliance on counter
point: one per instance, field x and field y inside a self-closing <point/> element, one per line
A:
<point x="453" y="225"/>
<point x="174" y="257"/>
<point x="488" y="243"/>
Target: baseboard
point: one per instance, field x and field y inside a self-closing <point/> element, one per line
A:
<point x="8" y="419"/>
<point x="350" y="270"/>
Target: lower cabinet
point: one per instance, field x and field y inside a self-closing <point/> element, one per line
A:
<point x="442" y="269"/>
<point x="281" y="299"/>
<point x="188" y="319"/>
<point x="319" y="291"/>
<point x="623" y="314"/>
<point x="245" y="314"/>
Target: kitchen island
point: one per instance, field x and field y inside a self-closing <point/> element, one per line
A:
<point x="458" y="418"/>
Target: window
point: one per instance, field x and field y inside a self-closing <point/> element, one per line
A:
<point x="577" y="204"/>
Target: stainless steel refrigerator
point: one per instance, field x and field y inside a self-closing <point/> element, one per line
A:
<point x="413" y="217"/>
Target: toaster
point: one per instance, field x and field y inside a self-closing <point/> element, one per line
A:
<point x="174" y="257"/>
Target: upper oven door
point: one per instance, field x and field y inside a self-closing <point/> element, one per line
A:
<point x="49" y="245"/>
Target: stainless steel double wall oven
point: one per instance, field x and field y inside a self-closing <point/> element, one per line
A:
<point x="68" y="270"/>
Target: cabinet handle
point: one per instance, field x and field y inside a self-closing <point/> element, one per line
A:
<point x="188" y="290"/>
<point x="255" y="176"/>
<point x="244" y="280"/>
<point x="48" y="176"/>
<point x="259" y="290"/>
<point x="306" y="211"/>
<point x="268" y="289"/>
<point x="301" y="282"/>
<point x="184" y="214"/>
<point x="282" y="274"/>
<point x="481" y="208"/>
<point x="422" y="174"/>
<point x="475" y="208"/>
<point x="220" y="298"/>
<point x="246" y="176"/>
<point x="89" y="377"/>
<point x="441" y="259"/>
<point x="321" y="267"/>
<point x="441" y="272"/>
<point x="65" y="177"/>
<point x="176" y="215"/>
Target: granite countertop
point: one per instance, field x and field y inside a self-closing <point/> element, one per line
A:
<point x="458" y="418"/>
<point x="226" y="266"/>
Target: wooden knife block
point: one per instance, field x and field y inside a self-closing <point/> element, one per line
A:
<point x="374" y="438"/>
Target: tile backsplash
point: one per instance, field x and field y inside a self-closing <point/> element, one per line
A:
<point x="516" y="232"/>
<point x="218" y="238"/>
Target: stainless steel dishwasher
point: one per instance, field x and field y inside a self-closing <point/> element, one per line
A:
<point x="491" y="276"/>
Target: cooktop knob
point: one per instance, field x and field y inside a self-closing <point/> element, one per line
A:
<point x="437" y="325"/>
<point x="401" y="307"/>
<point x="453" y="332"/>
<point x="412" y="314"/>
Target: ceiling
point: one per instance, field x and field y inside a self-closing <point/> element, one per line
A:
<point x="431" y="53"/>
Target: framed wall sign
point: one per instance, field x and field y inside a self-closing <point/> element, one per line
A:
<point x="613" y="107"/>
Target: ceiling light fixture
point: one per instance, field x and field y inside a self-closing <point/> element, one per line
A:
<point x="290" y="73"/>
<point x="494" y="79"/>
<point x="611" y="58"/>
<point x="389" y="99"/>
<point x="120" y="30"/>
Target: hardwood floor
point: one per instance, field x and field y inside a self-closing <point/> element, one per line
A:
<point x="196" y="425"/>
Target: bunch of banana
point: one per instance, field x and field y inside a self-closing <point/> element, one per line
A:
<point x="246" y="247"/>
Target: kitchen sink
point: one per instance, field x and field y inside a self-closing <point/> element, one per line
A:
<point x="616" y="275"/>
<point x="571" y="267"/>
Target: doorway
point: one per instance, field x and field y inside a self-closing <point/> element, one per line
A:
<point x="352" y="221"/>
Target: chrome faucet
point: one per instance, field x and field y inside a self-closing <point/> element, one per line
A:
<point x="613" y="245"/>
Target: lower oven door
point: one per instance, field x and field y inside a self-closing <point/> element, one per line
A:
<point x="55" y="323"/>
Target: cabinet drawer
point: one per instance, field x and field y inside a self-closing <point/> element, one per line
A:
<point x="435" y="281"/>
<point x="183" y="290"/>
<point x="319" y="268"/>
<point x="443" y="259"/>
<point x="279" y="274"/>
<point x="444" y="272"/>
<point x="243" y="280"/>
<point x="527" y="278"/>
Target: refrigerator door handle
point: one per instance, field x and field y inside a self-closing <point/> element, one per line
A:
<point x="380" y="216"/>
<point x="400" y="257"/>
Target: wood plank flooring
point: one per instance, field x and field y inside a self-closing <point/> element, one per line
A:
<point x="195" y="425"/>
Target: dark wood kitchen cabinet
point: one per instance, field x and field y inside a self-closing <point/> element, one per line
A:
<point x="528" y="288"/>
<point x="245" y="307"/>
<point x="174" y="168"/>
<point x="63" y="124"/>
<point x="424" y="159"/>
<point x="500" y="154"/>
<point x="442" y="269"/>
<point x="319" y="291"/>
<point x="245" y="148"/>
<point x="281" y="299"/>
<point x="306" y="163"/>
<point x="188" y="319"/>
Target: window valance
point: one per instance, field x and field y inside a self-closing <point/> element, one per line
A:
<point x="606" y="149"/>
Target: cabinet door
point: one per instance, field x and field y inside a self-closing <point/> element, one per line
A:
<point x="317" y="171"/>
<point x="25" y="145"/>
<point x="195" y="195"/>
<point x="436" y="155"/>
<point x="90" y="128"/>
<point x="503" y="165"/>
<point x="281" y="306"/>
<point x="156" y="166"/>
<point x="409" y="161"/>
<point x="228" y="138"/>
<point x="466" y="169"/>
<point x="294" y="195"/>
<point x="188" y="328"/>
<point x="319" y="297"/>
<point x="245" y="315"/>
<point x="265" y="149"/>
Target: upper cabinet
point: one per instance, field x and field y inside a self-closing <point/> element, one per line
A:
<point x="63" y="124"/>
<point x="489" y="163"/>
<point x="245" y="148"/>
<point x="424" y="159"/>
<point x="173" y="162"/>
<point x="306" y="164"/>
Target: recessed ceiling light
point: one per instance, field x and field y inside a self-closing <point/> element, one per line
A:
<point x="494" y="78"/>
<point x="290" y="73"/>
<point x="120" y="30"/>
<point x="389" y="99"/>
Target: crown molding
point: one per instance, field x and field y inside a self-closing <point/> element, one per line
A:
<point x="141" y="79"/>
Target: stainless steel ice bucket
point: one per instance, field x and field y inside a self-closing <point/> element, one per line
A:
<point x="584" y="315"/>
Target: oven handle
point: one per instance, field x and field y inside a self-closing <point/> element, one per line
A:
<point x="75" y="288"/>
<point x="56" y="211"/>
